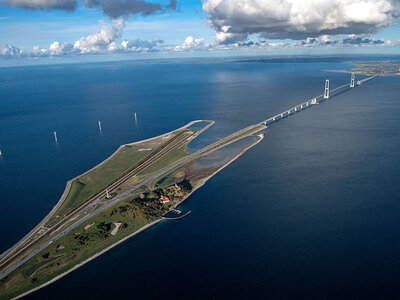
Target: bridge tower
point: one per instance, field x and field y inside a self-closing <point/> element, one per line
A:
<point x="326" y="92"/>
<point x="55" y="137"/>
<point x="353" y="78"/>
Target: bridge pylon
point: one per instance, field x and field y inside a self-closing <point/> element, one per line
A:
<point x="352" y="80"/>
<point x="326" y="92"/>
<point x="314" y="101"/>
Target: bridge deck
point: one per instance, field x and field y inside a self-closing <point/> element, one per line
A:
<point x="308" y="103"/>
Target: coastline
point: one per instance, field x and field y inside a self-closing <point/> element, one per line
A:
<point x="199" y="185"/>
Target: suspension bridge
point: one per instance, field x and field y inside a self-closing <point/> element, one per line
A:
<point x="316" y="100"/>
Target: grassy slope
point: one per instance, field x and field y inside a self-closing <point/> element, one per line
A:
<point x="89" y="184"/>
<point x="166" y="160"/>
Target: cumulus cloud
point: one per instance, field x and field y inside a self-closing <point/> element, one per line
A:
<point x="103" y="42"/>
<point x="107" y="41"/>
<point x="9" y="51"/>
<point x="57" y="48"/>
<point x="112" y="8"/>
<point x="141" y="45"/>
<point x="350" y="40"/>
<point x="356" y="40"/>
<point x="234" y="20"/>
<point x="190" y="43"/>
<point x="100" y="40"/>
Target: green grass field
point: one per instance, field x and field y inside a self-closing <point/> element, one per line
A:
<point x="166" y="160"/>
<point x="89" y="184"/>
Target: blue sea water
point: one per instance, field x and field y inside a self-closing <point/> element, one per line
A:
<point x="311" y="212"/>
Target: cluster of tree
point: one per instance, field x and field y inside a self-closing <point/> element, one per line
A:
<point x="82" y="239"/>
<point x="151" y="206"/>
<point x="34" y="280"/>
<point x="186" y="186"/>
<point x="123" y="209"/>
<point x="104" y="228"/>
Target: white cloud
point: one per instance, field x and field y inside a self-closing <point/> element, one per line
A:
<point x="234" y="20"/>
<point x="190" y="43"/>
<point x="9" y="51"/>
<point x="107" y="41"/>
<point x="57" y="48"/>
<point x="141" y="45"/>
<point x="100" y="41"/>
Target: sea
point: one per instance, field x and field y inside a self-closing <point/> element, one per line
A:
<point x="311" y="212"/>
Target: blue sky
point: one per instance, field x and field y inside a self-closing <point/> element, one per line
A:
<point x="218" y="26"/>
<point x="27" y="28"/>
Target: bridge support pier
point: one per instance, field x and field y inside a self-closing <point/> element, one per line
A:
<point x="326" y="92"/>
<point x="352" y="80"/>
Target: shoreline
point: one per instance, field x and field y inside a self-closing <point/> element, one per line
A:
<point x="199" y="185"/>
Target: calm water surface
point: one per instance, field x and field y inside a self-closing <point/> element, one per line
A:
<point x="311" y="212"/>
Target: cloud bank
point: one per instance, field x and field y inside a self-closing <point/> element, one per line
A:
<point x="112" y="8"/>
<point x="102" y="42"/>
<point x="106" y="42"/>
<point x="234" y="20"/>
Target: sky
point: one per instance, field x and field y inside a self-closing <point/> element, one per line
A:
<point x="61" y="29"/>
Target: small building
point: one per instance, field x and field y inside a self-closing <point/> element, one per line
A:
<point x="164" y="199"/>
<point x="178" y="188"/>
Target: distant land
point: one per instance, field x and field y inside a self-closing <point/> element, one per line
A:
<point x="374" y="68"/>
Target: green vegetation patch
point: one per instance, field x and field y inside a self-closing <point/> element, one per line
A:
<point x="89" y="184"/>
<point x="169" y="158"/>
<point x="31" y="270"/>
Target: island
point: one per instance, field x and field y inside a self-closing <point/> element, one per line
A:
<point x="139" y="185"/>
